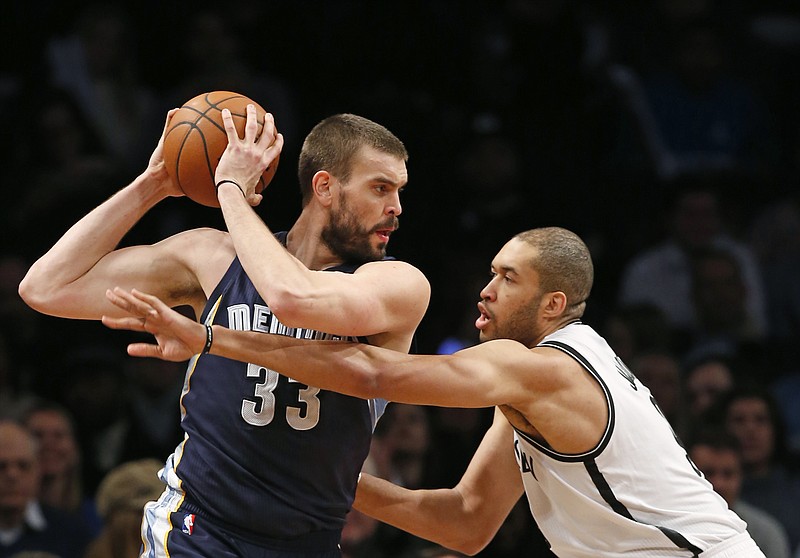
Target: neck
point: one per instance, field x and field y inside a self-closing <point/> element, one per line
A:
<point x="304" y="242"/>
<point x="57" y="491"/>
<point x="552" y="327"/>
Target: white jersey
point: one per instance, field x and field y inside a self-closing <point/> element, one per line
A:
<point x="636" y="493"/>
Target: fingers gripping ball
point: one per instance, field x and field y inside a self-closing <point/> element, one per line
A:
<point x="195" y="140"/>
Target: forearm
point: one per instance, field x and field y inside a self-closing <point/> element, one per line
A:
<point x="466" y="517"/>
<point x="436" y="515"/>
<point x="270" y="267"/>
<point x="86" y="242"/>
<point x="310" y="362"/>
<point x="368" y="371"/>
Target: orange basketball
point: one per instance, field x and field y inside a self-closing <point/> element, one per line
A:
<point x="196" y="139"/>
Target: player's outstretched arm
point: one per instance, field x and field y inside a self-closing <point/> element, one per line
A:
<point x="464" y="518"/>
<point x="69" y="280"/>
<point x="481" y="376"/>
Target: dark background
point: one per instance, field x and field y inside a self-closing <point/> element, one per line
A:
<point x="517" y="114"/>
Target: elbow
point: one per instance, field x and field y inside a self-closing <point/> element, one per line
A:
<point x="473" y="543"/>
<point x="31" y="290"/>
<point x="288" y="307"/>
<point x="468" y="541"/>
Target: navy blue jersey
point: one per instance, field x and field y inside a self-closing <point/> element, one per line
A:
<point x="264" y="455"/>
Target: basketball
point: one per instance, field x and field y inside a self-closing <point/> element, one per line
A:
<point x="195" y="140"/>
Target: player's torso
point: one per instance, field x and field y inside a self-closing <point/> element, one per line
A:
<point x="263" y="453"/>
<point x="637" y="489"/>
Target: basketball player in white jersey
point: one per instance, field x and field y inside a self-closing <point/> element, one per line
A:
<point x="574" y="428"/>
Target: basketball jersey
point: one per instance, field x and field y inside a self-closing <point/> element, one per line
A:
<point x="636" y="493"/>
<point x="264" y="456"/>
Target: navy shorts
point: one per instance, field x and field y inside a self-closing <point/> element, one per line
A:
<point x="184" y="534"/>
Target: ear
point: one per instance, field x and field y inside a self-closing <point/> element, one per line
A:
<point x="321" y="187"/>
<point x="554" y="304"/>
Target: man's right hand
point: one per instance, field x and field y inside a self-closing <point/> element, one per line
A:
<point x="156" y="168"/>
<point x="178" y="338"/>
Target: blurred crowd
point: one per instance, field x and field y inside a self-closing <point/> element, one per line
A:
<point x="666" y="133"/>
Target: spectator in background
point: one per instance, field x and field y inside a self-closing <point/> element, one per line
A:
<point x="660" y="371"/>
<point x="401" y="452"/>
<point x="775" y="238"/>
<point x="719" y="295"/>
<point x="26" y="524"/>
<point x="404" y="454"/>
<point x="94" y="389"/>
<point x="360" y="532"/>
<point x="775" y="241"/>
<point x="637" y="328"/>
<point x="716" y="453"/>
<point x="490" y="201"/>
<point x="770" y="477"/>
<point x="153" y="426"/>
<point x="59" y="153"/>
<point x="705" y="381"/>
<point x="662" y="274"/>
<point x="61" y="484"/>
<point x="96" y="61"/>
<point x="708" y="117"/>
<point x="121" y="497"/>
<point x="359" y="537"/>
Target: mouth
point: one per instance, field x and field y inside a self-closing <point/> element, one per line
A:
<point x="385" y="229"/>
<point x="484" y="319"/>
<point x="384" y="234"/>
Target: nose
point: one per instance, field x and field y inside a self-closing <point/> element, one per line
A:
<point x="393" y="206"/>
<point x="488" y="292"/>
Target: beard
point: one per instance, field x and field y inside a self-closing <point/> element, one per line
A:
<point x="519" y="326"/>
<point x="351" y="241"/>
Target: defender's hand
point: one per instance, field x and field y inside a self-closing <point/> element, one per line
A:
<point x="178" y="338"/>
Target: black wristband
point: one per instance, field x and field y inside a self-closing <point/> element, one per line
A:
<point x="221" y="182"/>
<point x="209" y="339"/>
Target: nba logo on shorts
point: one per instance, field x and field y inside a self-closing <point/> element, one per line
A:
<point x="188" y="523"/>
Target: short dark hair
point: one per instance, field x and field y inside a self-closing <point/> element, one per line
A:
<point x="562" y="261"/>
<point x="332" y="144"/>
<point x="715" y="436"/>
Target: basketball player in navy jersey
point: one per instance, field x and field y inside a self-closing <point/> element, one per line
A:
<point x="574" y="428"/>
<point x="268" y="466"/>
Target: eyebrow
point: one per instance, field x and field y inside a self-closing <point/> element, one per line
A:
<point x="506" y="269"/>
<point x="384" y="179"/>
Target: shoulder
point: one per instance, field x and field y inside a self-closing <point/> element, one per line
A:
<point x="204" y="245"/>
<point x="527" y="367"/>
<point x="205" y="253"/>
<point x="205" y="236"/>
<point x="395" y="271"/>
